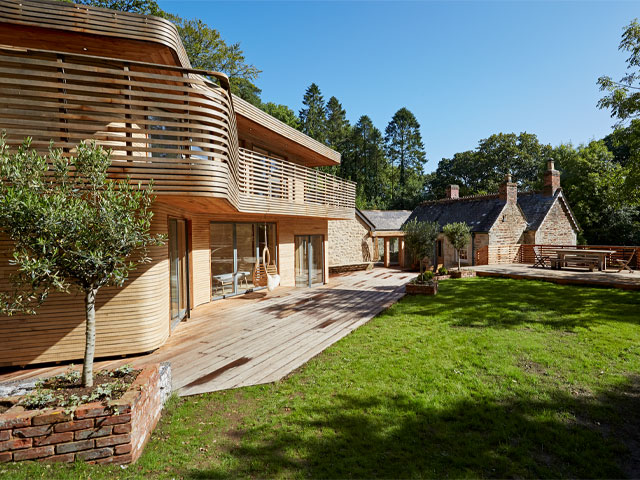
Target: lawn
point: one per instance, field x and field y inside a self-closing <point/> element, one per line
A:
<point x="491" y="378"/>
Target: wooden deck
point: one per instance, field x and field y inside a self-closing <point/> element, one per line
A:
<point x="262" y="337"/>
<point x="567" y="276"/>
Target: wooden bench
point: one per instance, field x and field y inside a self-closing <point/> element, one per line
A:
<point x="587" y="261"/>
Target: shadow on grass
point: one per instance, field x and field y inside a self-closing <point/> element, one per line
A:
<point x="482" y="302"/>
<point x="399" y="437"/>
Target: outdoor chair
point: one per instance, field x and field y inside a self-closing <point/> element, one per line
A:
<point x="541" y="260"/>
<point x="624" y="264"/>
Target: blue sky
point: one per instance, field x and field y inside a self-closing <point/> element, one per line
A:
<point x="465" y="69"/>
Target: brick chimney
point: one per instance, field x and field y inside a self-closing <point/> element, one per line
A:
<point x="453" y="192"/>
<point x="551" y="180"/>
<point x="508" y="190"/>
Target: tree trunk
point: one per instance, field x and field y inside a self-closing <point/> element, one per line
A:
<point x="90" y="336"/>
<point x="458" y="260"/>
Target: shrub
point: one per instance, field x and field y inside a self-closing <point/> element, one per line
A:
<point x="426" y="277"/>
<point x="443" y="271"/>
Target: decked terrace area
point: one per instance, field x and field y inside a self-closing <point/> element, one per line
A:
<point x="261" y="337"/>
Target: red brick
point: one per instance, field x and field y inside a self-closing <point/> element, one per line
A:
<point x="6" y="457"/>
<point x="124" y="428"/>
<point x="113" y="420"/>
<point x="117" y="460"/>
<point x="53" y="439"/>
<point x="66" y="458"/>
<point x="94" y="454"/>
<point x="91" y="410"/>
<point x="15" y="420"/>
<point x="124" y="448"/>
<point x="113" y="440"/>
<point x="51" y="416"/>
<point x="32" y="431"/>
<point x="33" y="453"/>
<point x="74" y="446"/>
<point x="93" y="433"/>
<point x="5" y="435"/>
<point x="15" y="444"/>
<point x="72" y="426"/>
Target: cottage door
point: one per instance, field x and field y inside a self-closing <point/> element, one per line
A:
<point x="178" y="270"/>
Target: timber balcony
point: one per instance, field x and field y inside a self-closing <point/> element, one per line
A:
<point x="167" y="124"/>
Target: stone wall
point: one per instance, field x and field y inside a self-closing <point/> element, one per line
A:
<point x="115" y="433"/>
<point x="509" y="227"/>
<point x="349" y="243"/>
<point x="556" y="229"/>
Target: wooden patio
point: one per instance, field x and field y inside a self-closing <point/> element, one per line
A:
<point x="567" y="276"/>
<point x="261" y="337"/>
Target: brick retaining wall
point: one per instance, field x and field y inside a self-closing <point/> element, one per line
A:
<point x="115" y="433"/>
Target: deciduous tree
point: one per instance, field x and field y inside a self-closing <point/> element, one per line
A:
<point x="459" y="235"/>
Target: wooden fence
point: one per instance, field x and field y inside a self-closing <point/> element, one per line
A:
<point x="502" y="254"/>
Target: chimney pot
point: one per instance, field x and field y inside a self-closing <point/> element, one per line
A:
<point x="453" y="192"/>
<point x="508" y="190"/>
<point x="551" y="180"/>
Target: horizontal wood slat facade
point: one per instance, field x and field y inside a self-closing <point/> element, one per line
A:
<point x="164" y="125"/>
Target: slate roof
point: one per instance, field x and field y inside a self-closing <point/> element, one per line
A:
<point x="480" y="212"/>
<point x="387" y="219"/>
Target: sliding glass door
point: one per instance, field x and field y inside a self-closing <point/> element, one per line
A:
<point x="309" y="260"/>
<point x="236" y="248"/>
<point x="178" y="270"/>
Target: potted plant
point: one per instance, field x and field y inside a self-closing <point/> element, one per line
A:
<point x="423" y="284"/>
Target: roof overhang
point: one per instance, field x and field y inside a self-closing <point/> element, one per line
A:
<point x="263" y="129"/>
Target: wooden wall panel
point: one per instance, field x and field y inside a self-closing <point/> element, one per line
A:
<point x="131" y="319"/>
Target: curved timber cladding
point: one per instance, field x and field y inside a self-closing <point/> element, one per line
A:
<point x="131" y="319"/>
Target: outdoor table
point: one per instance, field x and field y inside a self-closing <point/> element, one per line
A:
<point x="601" y="255"/>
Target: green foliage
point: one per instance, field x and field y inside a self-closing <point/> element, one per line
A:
<point x="282" y="113"/>
<point x="594" y="185"/>
<point x="443" y="271"/>
<point x="425" y="277"/>
<point x="404" y="147"/>
<point x="313" y="115"/>
<point x="143" y="7"/>
<point x="420" y="238"/>
<point x="459" y="235"/>
<point x="364" y="162"/>
<point x="623" y="97"/>
<point x="246" y="90"/>
<point x="482" y="170"/>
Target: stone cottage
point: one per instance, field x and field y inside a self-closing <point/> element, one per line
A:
<point x="503" y="221"/>
<point x="372" y="236"/>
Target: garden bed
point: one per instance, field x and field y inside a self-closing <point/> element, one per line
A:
<point x="462" y="273"/>
<point x="113" y="430"/>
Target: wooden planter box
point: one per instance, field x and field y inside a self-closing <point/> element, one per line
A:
<point x="113" y="433"/>
<point x="422" y="288"/>
<point x="462" y="273"/>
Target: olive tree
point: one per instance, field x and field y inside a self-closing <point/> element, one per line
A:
<point x="420" y="238"/>
<point x="459" y="235"/>
<point x="71" y="228"/>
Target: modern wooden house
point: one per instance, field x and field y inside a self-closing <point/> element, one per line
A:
<point x="229" y="179"/>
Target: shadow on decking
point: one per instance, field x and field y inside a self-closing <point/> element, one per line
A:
<point x="393" y="435"/>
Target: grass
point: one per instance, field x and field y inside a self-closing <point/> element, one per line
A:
<point x="490" y="378"/>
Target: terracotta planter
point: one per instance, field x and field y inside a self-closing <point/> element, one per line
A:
<point x="462" y="273"/>
<point x="113" y="433"/>
<point x="422" y="288"/>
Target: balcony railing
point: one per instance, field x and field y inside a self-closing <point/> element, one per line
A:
<point x="268" y="184"/>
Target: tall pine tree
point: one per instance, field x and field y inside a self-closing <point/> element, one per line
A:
<point x="405" y="149"/>
<point x="364" y="162"/>
<point x="313" y="116"/>
<point x="338" y="130"/>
